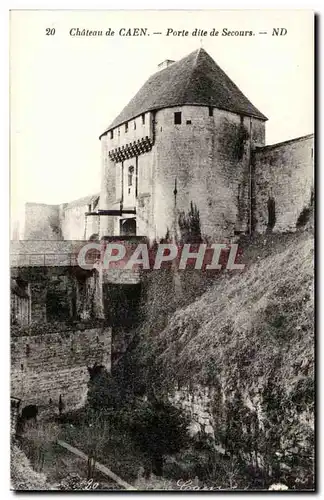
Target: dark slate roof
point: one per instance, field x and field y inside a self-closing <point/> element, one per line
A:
<point x="194" y="80"/>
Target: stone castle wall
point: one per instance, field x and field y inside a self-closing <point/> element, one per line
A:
<point x="216" y="159"/>
<point x="62" y="336"/>
<point x="114" y="177"/>
<point x="206" y="157"/>
<point x="209" y="158"/>
<point x="50" y="361"/>
<point x="283" y="173"/>
<point x="75" y="225"/>
<point x="42" y="222"/>
<point x="60" y="293"/>
<point x="60" y="222"/>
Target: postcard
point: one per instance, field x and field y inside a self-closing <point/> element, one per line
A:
<point x="162" y="250"/>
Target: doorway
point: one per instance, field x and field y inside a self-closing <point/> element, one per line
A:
<point x="127" y="227"/>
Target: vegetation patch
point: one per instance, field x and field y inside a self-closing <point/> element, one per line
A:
<point x="251" y="335"/>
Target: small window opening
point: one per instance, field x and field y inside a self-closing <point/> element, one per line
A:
<point x="27" y="350"/>
<point x="89" y="207"/>
<point x="118" y="132"/>
<point x="177" y="118"/>
<point x="211" y="111"/>
<point x="134" y="125"/>
<point x="111" y="134"/>
<point x="22" y="367"/>
<point x="143" y="118"/>
<point x="126" y="127"/>
<point x="188" y="122"/>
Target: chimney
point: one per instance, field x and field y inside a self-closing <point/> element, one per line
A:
<point x="165" y="64"/>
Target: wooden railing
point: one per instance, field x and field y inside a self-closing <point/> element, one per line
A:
<point x="101" y="468"/>
<point x="47" y="259"/>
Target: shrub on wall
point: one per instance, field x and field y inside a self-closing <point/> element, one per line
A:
<point x="306" y="213"/>
<point x="189" y="224"/>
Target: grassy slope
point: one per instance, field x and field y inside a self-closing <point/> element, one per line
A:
<point x="251" y="323"/>
<point x="251" y="337"/>
<point x="23" y="476"/>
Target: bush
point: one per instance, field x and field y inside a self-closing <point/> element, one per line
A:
<point x="154" y="483"/>
<point x="159" y="429"/>
<point x="103" y="391"/>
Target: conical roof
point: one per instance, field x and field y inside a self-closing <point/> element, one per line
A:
<point x="194" y="80"/>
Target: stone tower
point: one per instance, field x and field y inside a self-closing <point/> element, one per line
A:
<point x="189" y="126"/>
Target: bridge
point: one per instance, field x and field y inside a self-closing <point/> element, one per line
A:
<point x="58" y="253"/>
<point x="45" y="253"/>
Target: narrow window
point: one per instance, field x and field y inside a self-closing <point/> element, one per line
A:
<point x="136" y="177"/>
<point x="134" y="125"/>
<point x="188" y="122"/>
<point x="271" y="214"/>
<point x="119" y="181"/>
<point x="126" y="127"/>
<point x="89" y="208"/>
<point x="143" y="118"/>
<point x="177" y="118"/>
<point x="27" y="350"/>
<point x="130" y="176"/>
<point x="111" y="134"/>
<point x="312" y="153"/>
<point x="118" y="132"/>
<point x="211" y="111"/>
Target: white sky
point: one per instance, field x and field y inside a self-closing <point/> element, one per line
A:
<point x="66" y="90"/>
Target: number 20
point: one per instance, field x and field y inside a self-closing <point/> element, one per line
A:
<point x="50" y="31"/>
